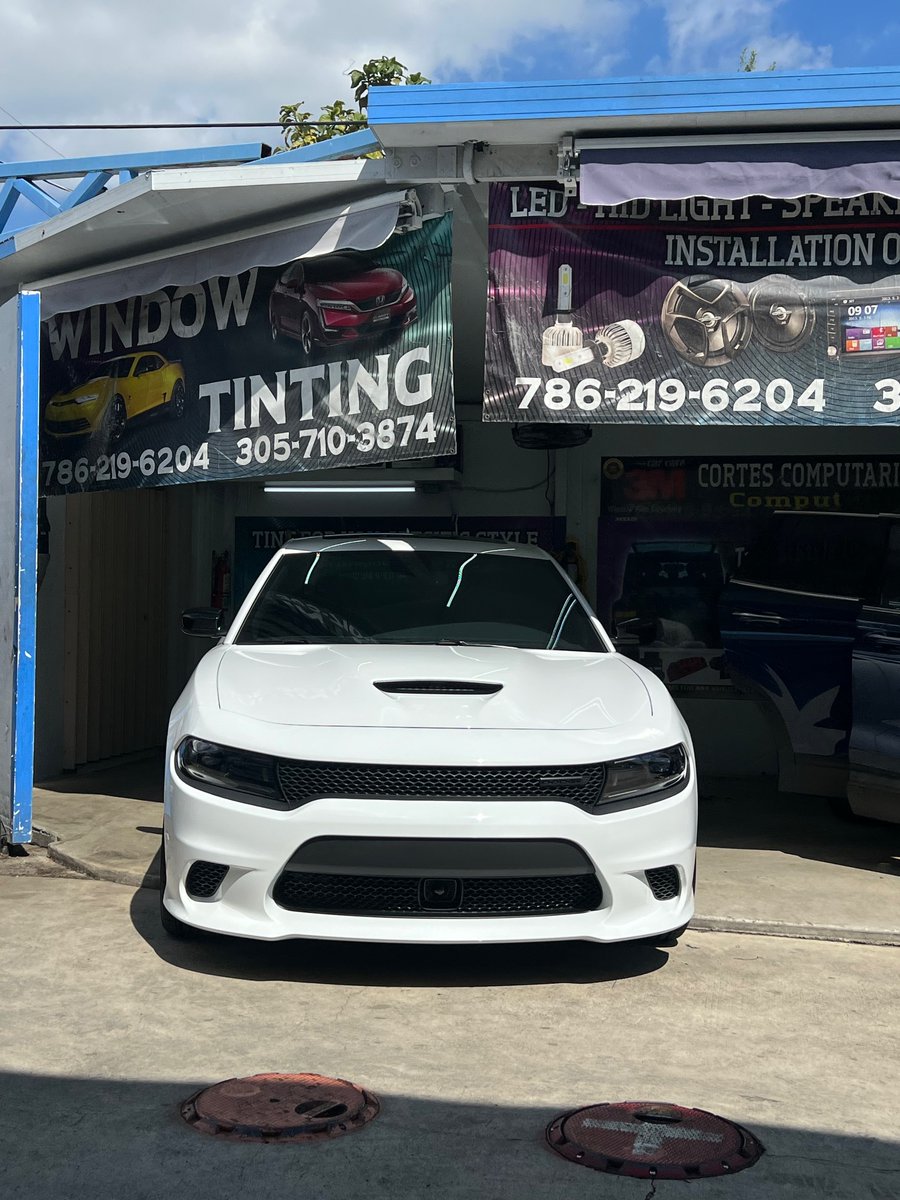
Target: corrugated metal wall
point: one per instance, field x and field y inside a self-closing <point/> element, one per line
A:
<point x="133" y="561"/>
<point x="116" y="693"/>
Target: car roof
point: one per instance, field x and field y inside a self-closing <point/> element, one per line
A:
<point x="402" y="541"/>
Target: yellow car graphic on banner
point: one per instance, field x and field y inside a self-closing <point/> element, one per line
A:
<point x="108" y="395"/>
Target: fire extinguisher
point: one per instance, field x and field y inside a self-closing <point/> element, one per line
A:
<point x="221" y="581"/>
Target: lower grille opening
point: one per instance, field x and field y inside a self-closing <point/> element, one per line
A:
<point x="665" y="882"/>
<point x="204" y="879"/>
<point x="386" y="895"/>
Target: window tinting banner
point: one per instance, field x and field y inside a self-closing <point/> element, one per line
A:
<point x="738" y="312"/>
<point x="336" y="361"/>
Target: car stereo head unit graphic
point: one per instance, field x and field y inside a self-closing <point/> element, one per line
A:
<point x="862" y="325"/>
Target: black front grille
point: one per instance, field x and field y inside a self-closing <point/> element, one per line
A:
<point x="74" y="426"/>
<point x="372" y="302"/>
<point x="304" y="781"/>
<point x="386" y="895"/>
<point x="665" y="882"/>
<point x="204" y="879"/>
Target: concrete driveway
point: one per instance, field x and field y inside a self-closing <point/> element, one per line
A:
<point x="107" y="1026"/>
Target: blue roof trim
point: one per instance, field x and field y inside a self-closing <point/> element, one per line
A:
<point x="757" y="91"/>
<point x="346" y="145"/>
<point x="7" y="247"/>
<point x="144" y="161"/>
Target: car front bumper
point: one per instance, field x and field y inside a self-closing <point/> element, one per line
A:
<point x="257" y="843"/>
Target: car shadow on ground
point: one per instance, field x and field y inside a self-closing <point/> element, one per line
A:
<point x="370" y="964"/>
<point x="751" y="814"/>
<point x="126" y="1137"/>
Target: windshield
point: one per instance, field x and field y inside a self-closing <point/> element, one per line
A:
<point x="336" y="267"/>
<point x="495" y="597"/>
<point x="116" y="368"/>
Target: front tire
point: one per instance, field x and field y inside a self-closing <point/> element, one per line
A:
<point x="116" y="420"/>
<point x="176" y="402"/>
<point x="307" y="335"/>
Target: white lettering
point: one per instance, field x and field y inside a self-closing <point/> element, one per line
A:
<point x="213" y="392"/>
<point x="180" y="327"/>
<point x="234" y="302"/>
<point x="147" y="332"/>
<point x="424" y="391"/>
<point x="65" y="333"/>
<point x="376" y="389"/>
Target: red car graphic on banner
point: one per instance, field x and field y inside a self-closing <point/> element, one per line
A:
<point x="339" y="298"/>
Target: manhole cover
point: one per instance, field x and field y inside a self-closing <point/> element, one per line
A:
<point x="653" y="1141"/>
<point x="280" y="1108"/>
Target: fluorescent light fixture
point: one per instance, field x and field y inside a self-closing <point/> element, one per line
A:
<point x="331" y="489"/>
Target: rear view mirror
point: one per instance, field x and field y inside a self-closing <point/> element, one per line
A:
<point x="204" y="622"/>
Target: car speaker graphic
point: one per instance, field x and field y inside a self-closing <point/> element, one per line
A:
<point x="782" y="318"/>
<point x="707" y="321"/>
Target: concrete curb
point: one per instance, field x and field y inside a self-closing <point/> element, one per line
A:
<point x="700" y="924"/>
<point x="812" y="933"/>
<point x="106" y="874"/>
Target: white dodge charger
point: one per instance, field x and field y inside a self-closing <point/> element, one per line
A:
<point x="424" y="740"/>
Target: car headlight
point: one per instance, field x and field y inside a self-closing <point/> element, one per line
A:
<point x="226" y="771"/>
<point x="89" y="399"/>
<point x="645" y="774"/>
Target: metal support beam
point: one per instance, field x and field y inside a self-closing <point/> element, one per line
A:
<point x="19" y="417"/>
<point x="472" y="162"/>
<point x="567" y="165"/>
<point x="37" y="196"/>
<point x="203" y="156"/>
<point x="92" y="185"/>
<point x="347" y="145"/>
<point x="9" y="198"/>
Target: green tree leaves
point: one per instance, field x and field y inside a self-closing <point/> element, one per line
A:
<point x="296" y="121"/>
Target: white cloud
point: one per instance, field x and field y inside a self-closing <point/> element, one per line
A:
<point x="708" y="35"/>
<point x="192" y="60"/>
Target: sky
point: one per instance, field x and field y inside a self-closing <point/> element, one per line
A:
<point x="220" y="60"/>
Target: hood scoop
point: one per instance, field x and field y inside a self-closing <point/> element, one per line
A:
<point x="436" y="687"/>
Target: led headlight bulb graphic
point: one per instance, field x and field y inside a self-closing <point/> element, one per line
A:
<point x="562" y="336"/>
<point x="620" y="343"/>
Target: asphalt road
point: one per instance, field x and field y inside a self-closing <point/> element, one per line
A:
<point x="107" y="1026"/>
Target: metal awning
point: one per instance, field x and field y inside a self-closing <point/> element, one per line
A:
<point x="179" y="227"/>
<point x="732" y="169"/>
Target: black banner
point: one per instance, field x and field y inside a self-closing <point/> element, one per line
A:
<point x="337" y="361"/>
<point x="745" y="312"/>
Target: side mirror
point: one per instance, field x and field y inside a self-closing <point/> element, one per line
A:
<point x="204" y="622"/>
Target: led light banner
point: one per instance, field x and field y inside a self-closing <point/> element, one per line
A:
<point x="742" y="312"/>
<point x="673" y="530"/>
<point x="336" y="361"/>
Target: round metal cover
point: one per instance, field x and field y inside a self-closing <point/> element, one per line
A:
<point x="280" y="1108"/>
<point x="649" y="1140"/>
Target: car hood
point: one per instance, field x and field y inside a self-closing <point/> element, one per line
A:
<point x="336" y="686"/>
<point x="96" y="386"/>
<point x="360" y="287"/>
